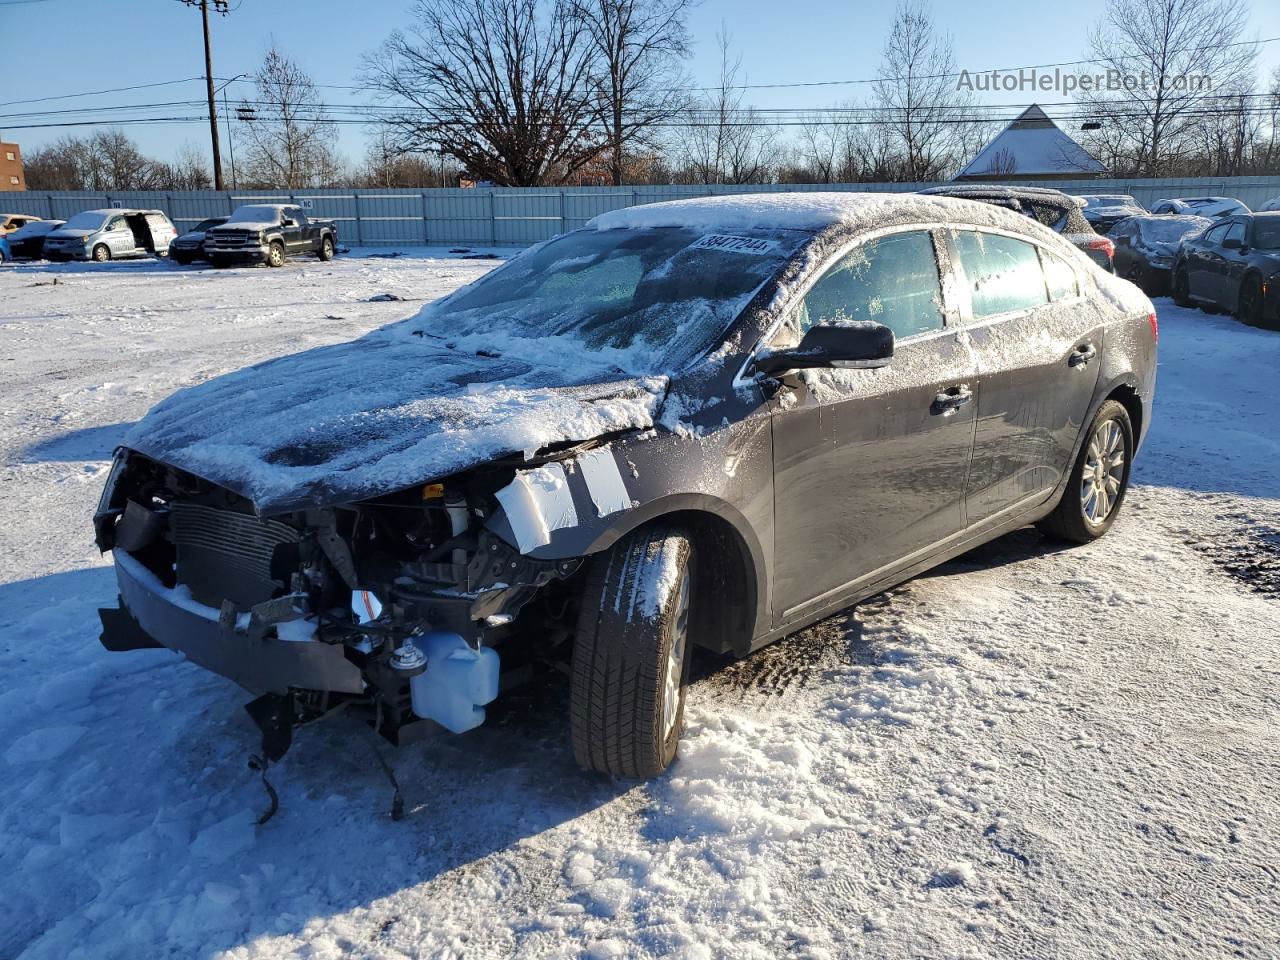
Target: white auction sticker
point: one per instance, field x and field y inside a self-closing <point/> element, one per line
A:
<point x="717" y="241"/>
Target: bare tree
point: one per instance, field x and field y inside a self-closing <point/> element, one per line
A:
<point x="639" y="45"/>
<point x="1166" y="58"/>
<point x="108" y="160"/>
<point x="917" y="91"/>
<point x="289" y="142"/>
<point x="727" y="141"/>
<point x="501" y="86"/>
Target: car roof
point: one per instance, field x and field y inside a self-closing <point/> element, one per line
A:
<point x="122" y="210"/>
<point x="813" y="211"/>
<point x="998" y="191"/>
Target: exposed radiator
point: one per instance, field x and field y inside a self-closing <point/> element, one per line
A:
<point x="224" y="555"/>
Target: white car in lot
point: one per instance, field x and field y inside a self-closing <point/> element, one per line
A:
<point x="1213" y="208"/>
<point x="103" y="235"/>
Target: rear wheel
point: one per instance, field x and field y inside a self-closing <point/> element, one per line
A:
<point x="1182" y="289"/>
<point x="275" y="254"/>
<point x="326" y="249"/>
<point x="101" y="254"/>
<point x="1099" y="479"/>
<point x="631" y="654"/>
<point x="1249" y="302"/>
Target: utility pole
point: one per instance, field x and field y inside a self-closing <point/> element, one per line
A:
<point x="219" y="6"/>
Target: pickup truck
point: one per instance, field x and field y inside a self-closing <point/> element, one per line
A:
<point x="269" y="233"/>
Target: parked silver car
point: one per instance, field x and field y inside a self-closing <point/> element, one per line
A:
<point x="103" y="235"/>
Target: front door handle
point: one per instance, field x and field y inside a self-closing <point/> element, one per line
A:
<point x="1082" y="354"/>
<point x="949" y="401"/>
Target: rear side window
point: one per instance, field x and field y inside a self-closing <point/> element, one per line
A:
<point x="1060" y="278"/>
<point x="892" y="280"/>
<point x="1003" y="273"/>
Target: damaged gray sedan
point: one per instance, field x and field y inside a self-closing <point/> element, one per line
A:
<point x="703" y="423"/>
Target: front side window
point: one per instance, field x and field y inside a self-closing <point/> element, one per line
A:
<point x="1216" y="234"/>
<point x="1003" y="273"/>
<point x="1235" y="232"/>
<point x="892" y="280"/>
<point x="118" y="223"/>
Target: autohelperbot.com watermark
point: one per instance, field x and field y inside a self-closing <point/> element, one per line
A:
<point x="1067" y="82"/>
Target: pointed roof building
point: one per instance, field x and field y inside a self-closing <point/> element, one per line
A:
<point x="1033" y="147"/>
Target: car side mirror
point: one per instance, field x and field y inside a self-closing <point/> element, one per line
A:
<point x="1121" y="241"/>
<point x="850" y="346"/>
<point x="1232" y="243"/>
<point x="289" y="222"/>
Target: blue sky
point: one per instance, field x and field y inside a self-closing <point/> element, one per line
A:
<point x="55" y="47"/>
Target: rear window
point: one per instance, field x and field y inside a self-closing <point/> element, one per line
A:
<point x="1004" y="274"/>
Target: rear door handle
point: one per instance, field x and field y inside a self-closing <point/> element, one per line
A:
<point x="1082" y="354"/>
<point x="949" y="401"/>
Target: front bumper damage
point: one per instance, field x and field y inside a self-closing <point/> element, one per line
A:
<point x="399" y="604"/>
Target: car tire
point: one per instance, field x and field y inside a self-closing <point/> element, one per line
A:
<point x="275" y="254"/>
<point x="101" y="253"/>
<point x="631" y="654"/>
<point x="325" y="252"/>
<point x="1099" y="478"/>
<point x="1180" y="289"/>
<point x="1249" y="302"/>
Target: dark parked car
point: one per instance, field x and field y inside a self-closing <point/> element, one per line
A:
<point x="705" y="423"/>
<point x="1105" y="211"/>
<point x="269" y="233"/>
<point x="190" y="246"/>
<point x="1146" y="247"/>
<point x="1056" y="210"/>
<point x="28" y="242"/>
<point x="1234" y="266"/>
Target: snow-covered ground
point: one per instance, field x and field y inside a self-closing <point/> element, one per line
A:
<point x="1030" y="752"/>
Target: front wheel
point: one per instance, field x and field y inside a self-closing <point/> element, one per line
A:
<point x="631" y="654"/>
<point x="1249" y="302"/>
<point x="1098" y="481"/>
<point x="326" y="249"/>
<point x="101" y="254"/>
<point x="1182" y="289"/>
<point x="275" y="254"/>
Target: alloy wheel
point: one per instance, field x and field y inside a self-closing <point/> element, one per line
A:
<point x="676" y="653"/>
<point x="1104" y="467"/>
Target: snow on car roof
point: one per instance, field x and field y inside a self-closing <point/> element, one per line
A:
<point x="805" y="210"/>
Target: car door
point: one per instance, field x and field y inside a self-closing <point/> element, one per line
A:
<point x="1232" y="262"/>
<point x="1200" y="262"/>
<point x="119" y="237"/>
<point x="1037" y="342"/>
<point x="870" y="465"/>
<point x="295" y="229"/>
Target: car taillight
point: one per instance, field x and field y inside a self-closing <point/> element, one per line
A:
<point x="1155" y="326"/>
<point x="1105" y="245"/>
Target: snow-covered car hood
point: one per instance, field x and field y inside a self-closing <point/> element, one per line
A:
<point x="356" y="420"/>
<point x="245" y="225"/>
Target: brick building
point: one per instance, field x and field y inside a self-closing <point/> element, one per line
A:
<point x="11" y="177"/>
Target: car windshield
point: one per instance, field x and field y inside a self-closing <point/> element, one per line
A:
<point x="1266" y="234"/>
<point x="647" y="301"/>
<point x="1169" y="230"/>
<point x="1112" y="201"/>
<point x="255" y="213"/>
<point x="204" y="225"/>
<point x="86" y="221"/>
